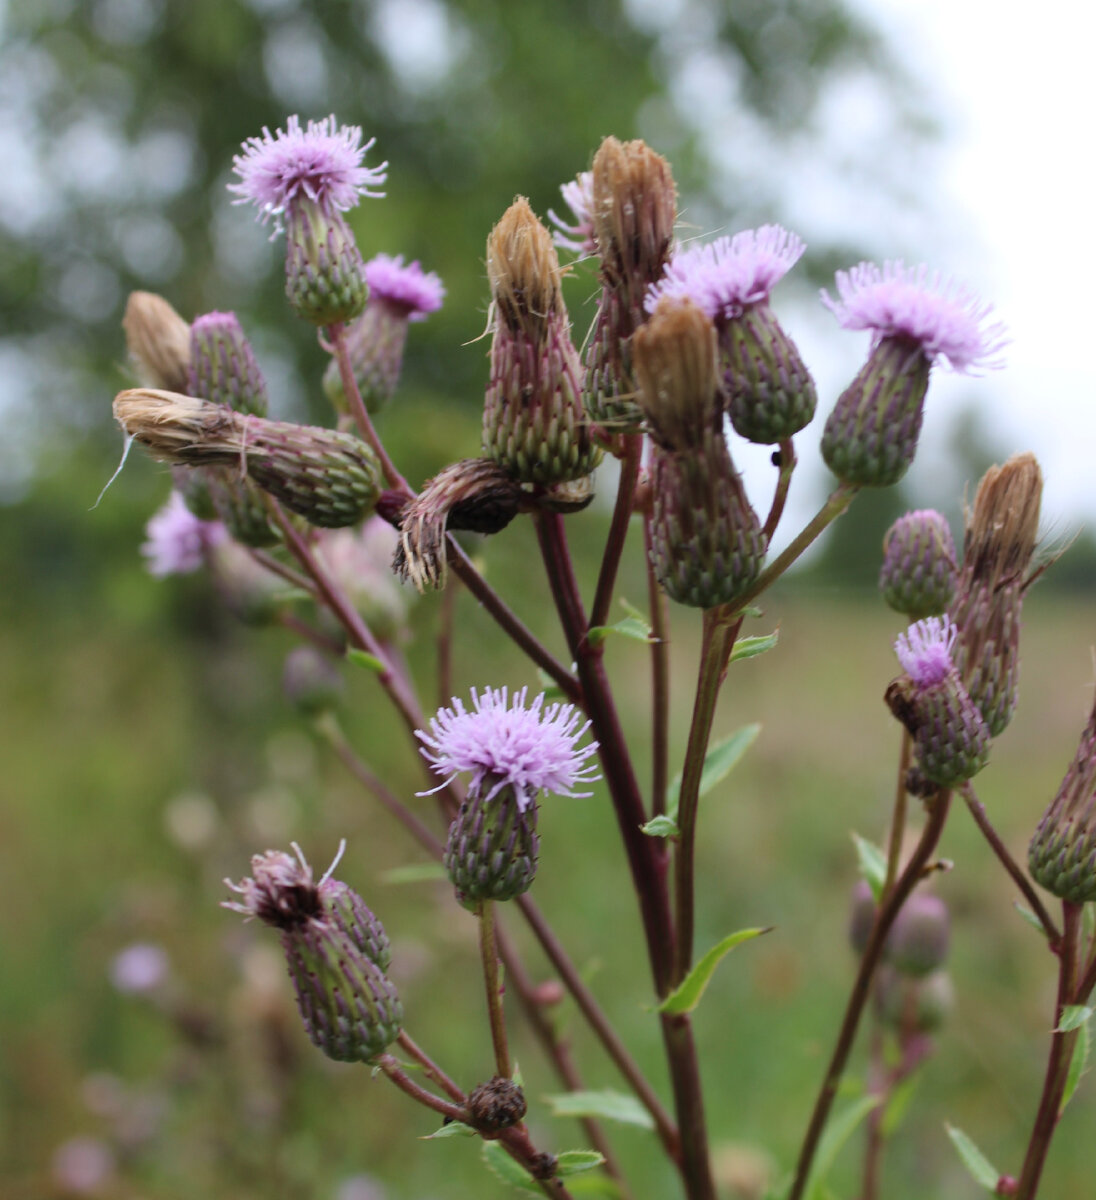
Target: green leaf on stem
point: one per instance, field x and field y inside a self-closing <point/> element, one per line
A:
<point x="361" y="658"/>
<point x="982" y="1171"/>
<point x="606" y="1105"/>
<point x="415" y="873"/>
<point x="838" y="1132"/>
<point x="1078" y="1063"/>
<point x="752" y="646"/>
<point x="449" y="1130"/>
<point x="552" y="690"/>
<point x="686" y="996"/>
<point x="719" y="762"/>
<point x="1073" y="1017"/>
<point x="575" y="1162"/>
<point x="663" y="826"/>
<point x="632" y="610"/>
<point x="898" y="1102"/>
<point x="505" y="1168"/>
<point x="872" y="863"/>
<point x="629" y="627"/>
<point x="1030" y="917"/>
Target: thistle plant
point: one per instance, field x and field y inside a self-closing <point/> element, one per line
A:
<point x="685" y="354"/>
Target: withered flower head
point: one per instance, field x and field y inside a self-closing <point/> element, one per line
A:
<point x="158" y="340"/>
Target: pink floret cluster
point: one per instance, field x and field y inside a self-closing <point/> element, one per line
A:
<point x="579" y="236"/>
<point x="924" y="650"/>
<point x="726" y="276"/>
<point x="504" y="742"/>
<point x="178" y="541"/>
<point x="922" y="306"/>
<point x="321" y="163"/>
<point x="410" y="287"/>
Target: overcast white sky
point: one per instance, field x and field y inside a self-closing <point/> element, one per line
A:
<point x="1017" y="174"/>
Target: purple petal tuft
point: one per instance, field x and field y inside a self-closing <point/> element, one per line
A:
<point x="924" y="650"/>
<point x="410" y="287"/>
<point x="178" y="541"/>
<point x="943" y="317"/>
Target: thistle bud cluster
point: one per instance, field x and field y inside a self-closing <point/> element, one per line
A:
<point x="706" y="541"/>
<point x="336" y="950"/>
<point x="1062" y="854"/>
<point x="633" y="206"/>
<point x="998" y="549"/>
<point x="919" y="573"/>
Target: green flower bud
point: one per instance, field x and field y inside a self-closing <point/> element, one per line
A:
<point x="491" y="852"/>
<point x="919" y="572"/>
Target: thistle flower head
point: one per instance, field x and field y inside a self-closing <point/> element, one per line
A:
<point x="321" y="163"/>
<point x="726" y="276"/>
<point x="924" y="650"/>
<point x="524" y="272"/>
<point x="280" y="890"/>
<point x="919" y="571"/>
<point x="505" y="742"/>
<point x="579" y="237"/>
<point x="914" y="304"/>
<point x="178" y="541"/>
<point x="408" y="287"/>
<point x="158" y="341"/>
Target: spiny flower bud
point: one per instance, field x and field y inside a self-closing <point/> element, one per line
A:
<point x="920" y="571"/>
<point x="916" y="317"/>
<point x="347" y="909"/>
<point x="495" y="1105"/>
<point x="706" y="541"/>
<point x="920" y="936"/>
<point x="350" y="1009"/>
<point x="240" y="504"/>
<point x="331" y="479"/>
<point x="674" y="362"/>
<point x="634" y="207"/>
<point x="998" y="548"/>
<point x="398" y="296"/>
<point x="311" y="681"/>
<point x="310" y="177"/>
<point x="491" y="851"/>
<point x="950" y="737"/>
<point x="158" y="340"/>
<point x="533" y="420"/>
<point x="223" y="368"/>
<point x="912" y="1005"/>
<point x="770" y="392"/>
<point x="1062" y="854"/>
<point x="475" y="494"/>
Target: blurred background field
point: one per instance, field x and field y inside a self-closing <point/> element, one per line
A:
<point x="148" y="750"/>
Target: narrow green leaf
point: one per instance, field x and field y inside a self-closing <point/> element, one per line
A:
<point x="1078" y="1064"/>
<point x="1031" y="918"/>
<point x="415" y="873"/>
<point x="503" y="1166"/>
<point x="897" y="1104"/>
<point x="982" y="1171"/>
<point x="719" y="762"/>
<point x="632" y="610"/>
<point x="629" y="627"/>
<point x="361" y="658"/>
<point x="607" y="1105"/>
<point x="664" y="827"/>
<point x="686" y="996"/>
<point x="450" y="1130"/>
<point x="1073" y="1016"/>
<point x="838" y="1132"/>
<point x="872" y="863"/>
<point x="752" y="646"/>
<point x="575" y="1162"/>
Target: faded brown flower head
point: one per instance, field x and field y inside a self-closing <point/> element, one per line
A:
<point x="158" y="340"/>
<point x="524" y="272"/>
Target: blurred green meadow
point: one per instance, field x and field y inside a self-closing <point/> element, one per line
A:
<point x="148" y="752"/>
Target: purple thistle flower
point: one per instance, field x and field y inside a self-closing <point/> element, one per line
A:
<point x="280" y="889"/>
<point x="508" y="744"/>
<point x="140" y="968"/>
<point x="724" y="277"/>
<point x="178" y="541"/>
<point x="912" y="304"/>
<point x="410" y="288"/>
<point x="579" y="237"/>
<point x="924" y="650"/>
<point x="322" y="163"/>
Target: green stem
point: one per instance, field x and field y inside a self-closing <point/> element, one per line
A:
<point x="715" y="651"/>
<point x="490" y="958"/>
<point x="873" y="952"/>
<point x="978" y="812"/>
<point x="840" y="499"/>
<point x="660" y="681"/>
<point x="783" y="483"/>
<point x="898" y="817"/>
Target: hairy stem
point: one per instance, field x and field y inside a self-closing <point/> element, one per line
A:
<point x="898" y="817"/>
<point x="660" y="682"/>
<point x="490" y="960"/>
